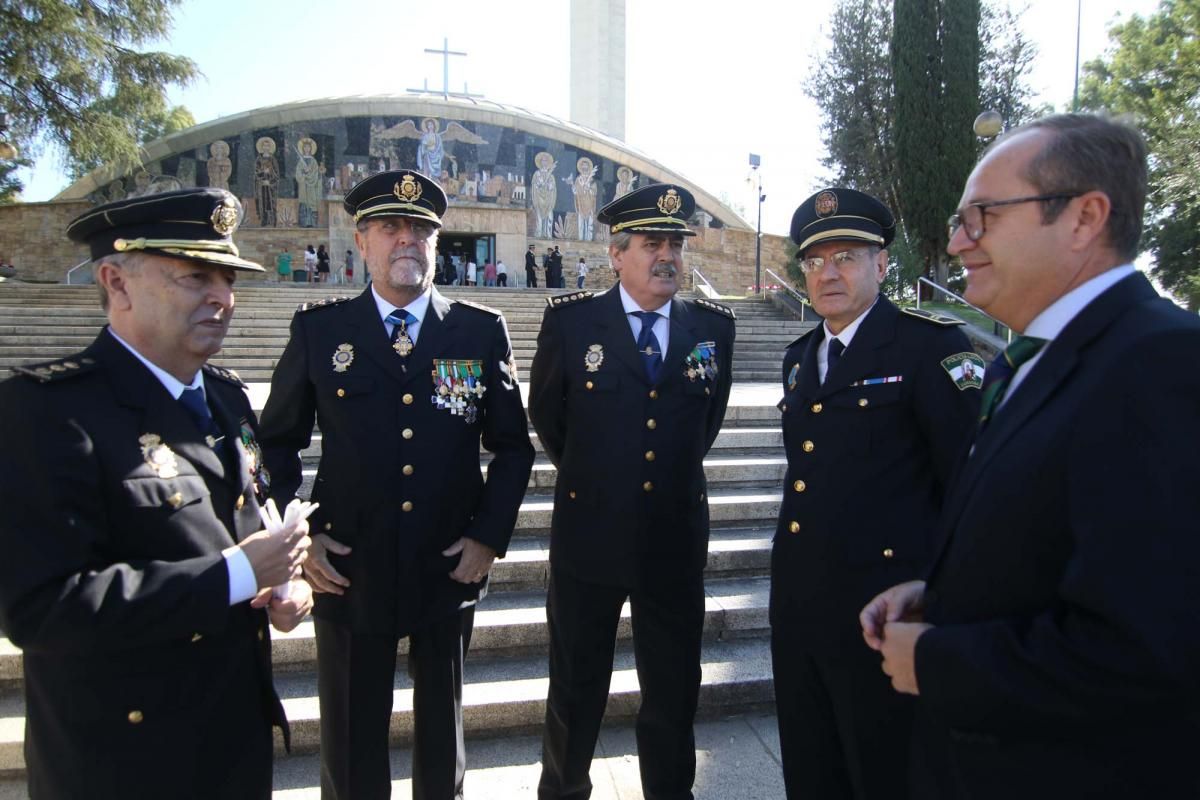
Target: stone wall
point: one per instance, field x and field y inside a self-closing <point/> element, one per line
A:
<point x="33" y="238"/>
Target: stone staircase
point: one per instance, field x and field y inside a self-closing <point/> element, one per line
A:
<point x="506" y="677"/>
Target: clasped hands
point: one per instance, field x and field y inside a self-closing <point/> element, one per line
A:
<point x="891" y="624"/>
<point x="473" y="566"/>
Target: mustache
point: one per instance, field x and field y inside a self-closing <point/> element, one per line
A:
<point x="406" y="252"/>
<point x="664" y="271"/>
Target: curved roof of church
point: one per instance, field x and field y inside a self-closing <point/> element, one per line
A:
<point x="470" y="109"/>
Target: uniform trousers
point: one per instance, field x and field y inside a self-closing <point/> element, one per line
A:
<point x="844" y="732"/>
<point x="667" y="618"/>
<point x="355" y="680"/>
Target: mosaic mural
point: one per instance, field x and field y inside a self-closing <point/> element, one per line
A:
<point x="285" y="176"/>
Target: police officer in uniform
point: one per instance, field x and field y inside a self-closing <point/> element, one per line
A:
<point x="627" y="393"/>
<point x="405" y="384"/>
<point x="878" y="401"/>
<point x="135" y="573"/>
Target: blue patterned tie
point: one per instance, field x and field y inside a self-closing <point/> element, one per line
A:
<point x="647" y="344"/>
<point x="1000" y="373"/>
<point x="193" y="402"/>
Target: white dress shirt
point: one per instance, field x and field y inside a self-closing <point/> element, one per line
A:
<point x="662" y="326"/>
<point x="845" y="337"/>
<point x="417" y="308"/>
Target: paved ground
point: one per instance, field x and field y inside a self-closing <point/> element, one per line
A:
<point x="737" y="759"/>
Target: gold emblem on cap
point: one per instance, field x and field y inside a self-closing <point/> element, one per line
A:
<point x="407" y="189"/>
<point x="826" y="204"/>
<point x="225" y="217"/>
<point x="343" y="357"/>
<point x="593" y="358"/>
<point x="670" y="202"/>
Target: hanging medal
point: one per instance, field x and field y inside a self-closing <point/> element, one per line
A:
<point x="404" y="343"/>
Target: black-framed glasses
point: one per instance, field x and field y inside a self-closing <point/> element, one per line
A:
<point x="971" y="217"/>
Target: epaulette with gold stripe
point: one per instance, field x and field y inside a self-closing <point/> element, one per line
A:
<point x="328" y="301"/>
<point x="716" y="307"/>
<point x="225" y="375"/>
<point x="937" y="319"/>
<point x="479" y="307"/>
<point x="56" y="370"/>
<point x="558" y="301"/>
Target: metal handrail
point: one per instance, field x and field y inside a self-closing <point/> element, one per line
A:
<point x="805" y="302"/>
<point x="996" y="324"/>
<point x="83" y="263"/>
<point x="712" y="290"/>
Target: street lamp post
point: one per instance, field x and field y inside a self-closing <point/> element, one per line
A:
<point x="755" y="162"/>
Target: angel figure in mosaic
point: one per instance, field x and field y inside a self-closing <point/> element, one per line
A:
<point x="432" y="149"/>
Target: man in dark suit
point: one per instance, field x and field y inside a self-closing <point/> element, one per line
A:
<point x="405" y="384"/>
<point x="530" y="269"/>
<point x="627" y="393"/>
<point x="877" y="404"/>
<point x="1055" y="644"/>
<point x="135" y="572"/>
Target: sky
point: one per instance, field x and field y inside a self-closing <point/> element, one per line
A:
<point x="707" y="82"/>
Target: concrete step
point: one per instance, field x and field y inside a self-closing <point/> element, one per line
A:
<point x="505" y="686"/>
<point x="512" y="616"/>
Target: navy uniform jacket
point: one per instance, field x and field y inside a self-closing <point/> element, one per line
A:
<point x="870" y="453"/>
<point x="630" y="493"/>
<point x="1066" y="661"/>
<point x="115" y="515"/>
<point x="399" y="479"/>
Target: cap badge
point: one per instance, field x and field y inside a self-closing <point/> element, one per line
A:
<point x="407" y="189"/>
<point x="343" y="357"/>
<point x="670" y="202"/>
<point x="826" y="204"/>
<point x="593" y="358"/>
<point x="225" y="217"/>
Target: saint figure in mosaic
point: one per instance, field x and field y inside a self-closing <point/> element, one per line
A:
<point x="266" y="181"/>
<point x="545" y="194"/>
<point x="308" y="182"/>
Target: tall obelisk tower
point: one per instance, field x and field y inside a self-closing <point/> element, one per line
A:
<point x="598" y="65"/>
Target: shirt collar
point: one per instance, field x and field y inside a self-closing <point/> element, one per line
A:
<point x="630" y="305"/>
<point x="417" y="307"/>
<point x="169" y="381"/>
<point x="847" y="334"/>
<point x="1050" y="323"/>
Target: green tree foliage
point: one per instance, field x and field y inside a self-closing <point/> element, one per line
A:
<point x="72" y="74"/>
<point x="853" y="83"/>
<point x="1152" y="72"/>
<point x="935" y="61"/>
<point x="10" y="187"/>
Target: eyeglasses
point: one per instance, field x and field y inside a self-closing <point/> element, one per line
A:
<point x="839" y="259"/>
<point x="420" y="230"/>
<point x="971" y="217"/>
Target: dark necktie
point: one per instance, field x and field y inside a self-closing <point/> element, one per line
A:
<point x="402" y="341"/>
<point x="1000" y="373"/>
<point x="836" y="348"/>
<point x="647" y="344"/>
<point x="193" y="402"/>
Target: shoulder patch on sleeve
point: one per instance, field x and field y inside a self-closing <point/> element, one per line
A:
<point x="965" y="369"/>
<point x="937" y="319"/>
<point x="56" y="370"/>
<point x="716" y="307"/>
<point x="558" y="301"/>
<point x="225" y="375"/>
<point x="479" y="307"/>
<point x="325" y="303"/>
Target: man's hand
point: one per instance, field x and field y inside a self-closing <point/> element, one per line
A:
<point x="277" y="557"/>
<point x="286" y="613"/>
<point x="475" y="563"/>
<point x="902" y="602"/>
<point x="319" y="572"/>
<point x="899" y="654"/>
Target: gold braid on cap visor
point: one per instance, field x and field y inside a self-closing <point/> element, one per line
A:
<point x="125" y="245"/>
